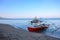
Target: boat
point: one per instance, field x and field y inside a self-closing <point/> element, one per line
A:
<point x="38" y="27"/>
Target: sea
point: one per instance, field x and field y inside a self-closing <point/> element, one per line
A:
<point x="53" y="29"/>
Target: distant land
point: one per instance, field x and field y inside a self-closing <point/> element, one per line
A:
<point x="1" y="18"/>
<point x="52" y="18"/>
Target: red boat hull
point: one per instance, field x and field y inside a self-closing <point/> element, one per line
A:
<point x="36" y="29"/>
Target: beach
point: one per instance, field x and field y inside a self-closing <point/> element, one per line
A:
<point x="8" y="32"/>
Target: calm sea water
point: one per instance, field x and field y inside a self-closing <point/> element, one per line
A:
<point x="53" y="30"/>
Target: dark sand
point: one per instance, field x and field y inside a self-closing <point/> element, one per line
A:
<point x="8" y="32"/>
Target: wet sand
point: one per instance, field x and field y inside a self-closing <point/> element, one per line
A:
<point x="8" y="32"/>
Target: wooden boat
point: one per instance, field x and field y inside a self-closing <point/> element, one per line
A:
<point x="36" y="27"/>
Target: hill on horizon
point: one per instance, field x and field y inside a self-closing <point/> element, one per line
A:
<point x="29" y="18"/>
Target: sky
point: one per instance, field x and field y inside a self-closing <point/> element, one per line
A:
<point x="30" y="8"/>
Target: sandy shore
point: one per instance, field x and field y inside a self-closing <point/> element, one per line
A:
<point x="8" y="32"/>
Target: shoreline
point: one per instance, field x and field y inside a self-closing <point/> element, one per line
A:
<point x="10" y="32"/>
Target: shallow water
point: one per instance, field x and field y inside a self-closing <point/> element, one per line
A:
<point x="54" y="24"/>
